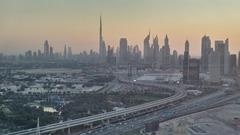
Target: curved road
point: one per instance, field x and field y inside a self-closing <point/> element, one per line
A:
<point x="179" y="94"/>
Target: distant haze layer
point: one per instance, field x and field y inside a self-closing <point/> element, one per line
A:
<point x="25" y="24"/>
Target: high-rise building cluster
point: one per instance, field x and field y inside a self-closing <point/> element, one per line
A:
<point x="48" y="53"/>
<point x="216" y="61"/>
<point x="157" y="57"/>
<point x="127" y="54"/>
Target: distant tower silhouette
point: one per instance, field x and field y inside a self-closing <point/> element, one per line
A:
<point x="222" y="48"/>
<point x="166" y="41"/>
<point x="46" y="48"/>
<point x="155" y="47"/>
<point x="186" y="62"/>
<point x="69" y="52"/>
<point x="205" y="52"/>
<point x="100" y="33"/>
<point x="102" y="47"/>
<point x="147" y="50"/>
<point x="165" y="53"/>
<point x="123" y="51"/>
<point x="65" y="52"/>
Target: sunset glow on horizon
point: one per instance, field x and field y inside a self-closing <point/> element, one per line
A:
<point x="26" y="24"/>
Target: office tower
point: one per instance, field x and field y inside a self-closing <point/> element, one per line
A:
<point x="205" y="51"/>
<point x="39" y="53"/>
<point x="46" y="48"/>
<point x="155" y="46"/>
<point x="226" y="58"/>
<point x="51" y="51"/>
<point x="111" y="59"/>
<point x="194" y="70"/>
<point x="165" y="52"/>
<point x="28" y="54"/>
<point x="34" y="55"/>
<point x="65" y="52"/>
<point x="146" y="49"/>
<point x="91" y="56"/>
<point x="191" y="67"/>
<point x="186" y="63"/>
<point x="221" y="49"/>
<point x="117" y="55"/>
<point x="102" y="47"/>
<point x="214" y="66"/>
<point x="180" y="61"/>
<point x="123" y="51"/>
<point x="69" y="52"/>
<point x="130" y="52"/>
<point x="174" y="59"/>
<point x="233" y="64"/>
<point x="136" y="54"/>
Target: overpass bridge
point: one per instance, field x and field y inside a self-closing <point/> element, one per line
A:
<point x="131" y="111"/>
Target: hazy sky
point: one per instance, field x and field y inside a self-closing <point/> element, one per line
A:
<point x="25" y="24"/>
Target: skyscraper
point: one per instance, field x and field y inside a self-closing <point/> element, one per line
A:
<point x="51" y="51"/>
<point x="205" y="51"/>
<point x="194" y="70"/>
<point x="165" y="52"/>
<point x="123" y="51"/>
<point x="214" y="66"/>
<point x="226" y="58"/>
<point x="186" y="62"/>
<point x="34" y="55"/>
<point x="46" y="48"/>
<point x="39" y="53"/>
<point x="111" y="59"/>
<point x="69" y="52"/>
<point x="136" y="55"/>
<point x="28" y="54"/>
<point x="155" y="47"/>
<point x="102" y="47"/>
<point x="191" y="67"/>
<point x="146" y="49"/>
<point x="65" y="52"/>
<point x="222" y="51"/>
<point x="174" y="59"/>
<point x="233" y="64"/>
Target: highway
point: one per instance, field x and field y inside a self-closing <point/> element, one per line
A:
<point x="179" y="94"/>
<point x="186" y="108"/>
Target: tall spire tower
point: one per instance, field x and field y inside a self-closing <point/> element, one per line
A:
<point x="102" y="47"/>
<point x="100" y="35"/>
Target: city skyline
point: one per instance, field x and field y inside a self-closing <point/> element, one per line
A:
<point x="26" y="26"/>
<point x="119" y="67"/>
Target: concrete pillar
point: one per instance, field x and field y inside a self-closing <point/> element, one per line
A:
<point x="69" y="131"/>
<point x="91" y="126"/>
<point x="103" y="122"/>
